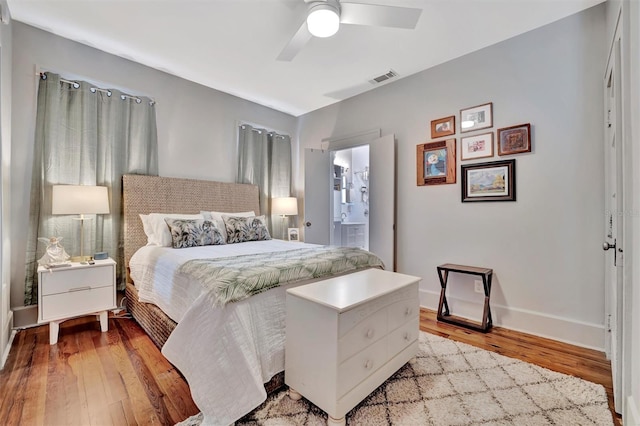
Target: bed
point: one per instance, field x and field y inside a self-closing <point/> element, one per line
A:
<point x="232" y="355"/>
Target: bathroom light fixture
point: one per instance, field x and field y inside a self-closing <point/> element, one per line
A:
<point x="323" y="19"/>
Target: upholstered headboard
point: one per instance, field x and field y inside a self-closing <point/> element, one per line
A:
<point x="156" y="194"/>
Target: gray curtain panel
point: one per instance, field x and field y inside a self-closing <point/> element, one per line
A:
<point x="85" y="137"/>
<point x="264" y="159"/>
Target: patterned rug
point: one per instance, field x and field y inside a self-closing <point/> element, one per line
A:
<point x="452" y="383"/>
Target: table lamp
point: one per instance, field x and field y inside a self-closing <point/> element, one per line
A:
<point x="284" y="206"/>
<point x="80" y="199"/>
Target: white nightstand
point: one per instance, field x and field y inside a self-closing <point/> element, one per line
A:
<point x="346" y="335"/>
<point x="76" y="290"/>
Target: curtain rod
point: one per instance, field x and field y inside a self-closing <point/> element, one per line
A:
<point x="259" y="131"/>
<point x="76" y="85"/>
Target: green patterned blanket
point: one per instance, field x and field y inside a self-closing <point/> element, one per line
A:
<point x="232" y="279"/>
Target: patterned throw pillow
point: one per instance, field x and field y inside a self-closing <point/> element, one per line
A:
<point x="195" y="232"/>
<point x="241" y="229"/>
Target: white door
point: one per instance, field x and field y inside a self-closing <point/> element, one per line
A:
<point x="318" y="214"/>
<point x="382" y="195"/>
<point x="614" y="263"/>
<point x="318" y="189"/>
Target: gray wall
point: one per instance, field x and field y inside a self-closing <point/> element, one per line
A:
<point x="196" y="125"/>
<point x="545" y="248"/>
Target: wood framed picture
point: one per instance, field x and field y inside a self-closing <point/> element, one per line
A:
<point x="294" y="234"/>
<point x="443" y="127"/>
<point x="478" y="146"/>
<point x="492" y="181"/>
<point x="514" y="139"/>
<point x="476" y="118"/>
<point x="436" y="163"/>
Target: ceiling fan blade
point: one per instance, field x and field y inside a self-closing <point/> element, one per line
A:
<point x="380" y="16"/>
<point x="297" y="42"/>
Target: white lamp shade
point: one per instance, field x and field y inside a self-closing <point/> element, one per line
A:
<point x="80" y="199"/>
<point x="285" y="206"/>
<point x="323" y="20"/>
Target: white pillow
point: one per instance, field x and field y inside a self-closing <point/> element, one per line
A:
<point x="157" y="230"/>
<point x="216" y="217"/>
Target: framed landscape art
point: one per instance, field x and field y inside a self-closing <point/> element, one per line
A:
<point x="436" y="163"/>
<point x="514" y="139"/>
<point x="492" y="181"/>
<point x="478" y="146"/>
<point x="443" y="127"/>
<point x="476" y="118"/>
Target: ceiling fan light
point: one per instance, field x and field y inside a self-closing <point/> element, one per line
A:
<point x="323" y="20"/>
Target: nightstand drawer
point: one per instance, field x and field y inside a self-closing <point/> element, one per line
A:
<point x="69" y="279"/>
<point x="75" y="303"/>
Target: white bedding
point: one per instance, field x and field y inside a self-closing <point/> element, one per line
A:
<point x="153" y="270"/>
<point x="226" y="354"/>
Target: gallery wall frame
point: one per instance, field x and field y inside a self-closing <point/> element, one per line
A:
<point x="476" y="118"/>
<point x="476" y="146"/>
<point x="490" y="181"/>
<point x="436" y="163"/>
<point x="514" y="139"/>
<point x="443" y="127"/>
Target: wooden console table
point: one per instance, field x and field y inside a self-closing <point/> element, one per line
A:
<point x="445" y="315"/>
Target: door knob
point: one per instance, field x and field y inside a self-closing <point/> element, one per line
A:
<point x="308" y="224"/>
<point x="606" y="246"/>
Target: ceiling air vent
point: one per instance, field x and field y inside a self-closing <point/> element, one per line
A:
<point x="384" y="77"/>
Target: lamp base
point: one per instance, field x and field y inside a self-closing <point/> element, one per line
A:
<point x="81" y="259"/>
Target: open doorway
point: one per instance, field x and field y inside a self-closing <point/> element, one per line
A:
<point x="323" y="211"/>
<point x="350" y="201"/>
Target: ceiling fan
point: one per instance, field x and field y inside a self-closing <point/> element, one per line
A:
<point x="325" y="16"/>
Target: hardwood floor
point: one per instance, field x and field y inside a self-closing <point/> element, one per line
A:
<point x="91" y="378"/>
<point x="121" y="378"/>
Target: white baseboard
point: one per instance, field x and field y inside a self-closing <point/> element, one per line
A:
<point x="578" y="333"/>
<point x="25" y="316"/>
<point x="11" y="333"/>
<point x="631" y="416"/>
<point x="5" y="355"/>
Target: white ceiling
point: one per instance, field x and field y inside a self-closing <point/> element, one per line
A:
<point x="232" y="45"/>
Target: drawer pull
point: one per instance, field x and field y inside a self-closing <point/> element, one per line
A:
<point x="370" y="333"/>
<point x="368" y="364"/>
<point x="407" y="312"/>
<point x="407" y="337"/>
<point x="79" y="289"/>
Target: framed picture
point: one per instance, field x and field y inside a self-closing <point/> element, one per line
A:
<point x="293" y="234"/>
<point x="493" y="181"/>
<point x="436" y="163"/>
<point x="514" y="139"/>
<point x="478" y="146"/>
<point x="443" y="127"/>
<point x="477" y="117"/>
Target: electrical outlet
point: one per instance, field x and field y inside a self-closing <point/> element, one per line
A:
<point x="477" y="286"/>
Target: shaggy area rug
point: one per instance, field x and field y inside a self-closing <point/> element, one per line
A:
<point x="452" y="383"/>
